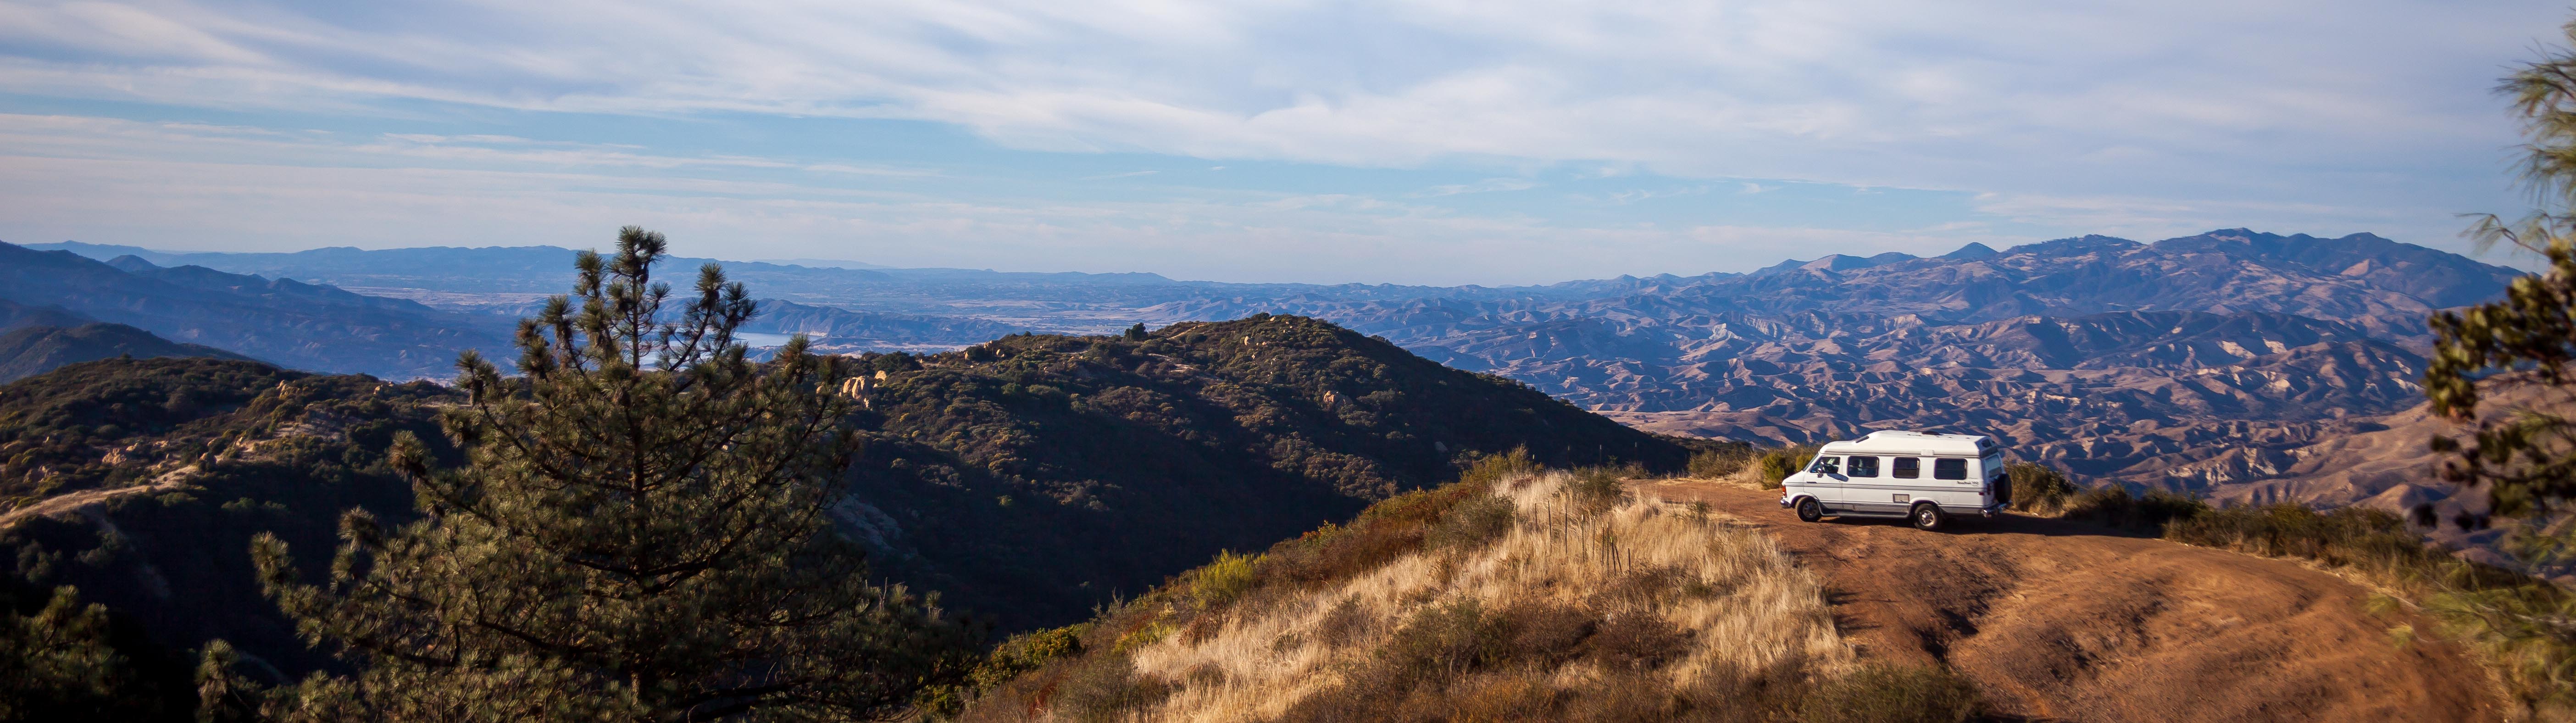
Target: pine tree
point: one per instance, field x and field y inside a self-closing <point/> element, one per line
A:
<point x="1137" y="332"/>
<point x="2522" y="455"/>
<point x="641" y="533"/>
<point x="56" y="661"/>
<point x="2527" y="457"/>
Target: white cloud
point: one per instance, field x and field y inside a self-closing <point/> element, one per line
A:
<point x="1490" y="185"/>
<point x="114" y="181"/>
<point x="2138" y="116"/>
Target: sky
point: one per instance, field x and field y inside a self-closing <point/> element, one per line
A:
<point x="1404" y="141"/>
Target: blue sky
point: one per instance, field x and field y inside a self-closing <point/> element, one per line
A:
<point x="1405" y="141"/>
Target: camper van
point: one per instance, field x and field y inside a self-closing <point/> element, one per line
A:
<point x="1925" y="478"/>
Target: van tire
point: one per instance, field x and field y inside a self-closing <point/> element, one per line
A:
<point x="1809" y="511"/>
<point x="1928" y="516"/>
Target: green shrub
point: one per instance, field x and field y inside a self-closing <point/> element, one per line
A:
<point x="1894" y="694"/>
<point x="1383" y="532"/>
<point x="1101" y="687"/>
<point x="1713" y="463"/>
<point x="1778" y="464"/>
<point x="1221" y="581"/>
<point x="1018" y="655"/>
<point x="1441" y="643"/>
<point x="2039" y="488"/>
<point x="1473" y="522"/>
<point x="1602" y="486"/>
<point x="2114" y="505"/>
<point x="2344" y="536"/>
<point x="1492" y="468"/>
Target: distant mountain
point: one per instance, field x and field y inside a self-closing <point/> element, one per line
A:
<point x="525" y="270"/>
<point x="2097" y="351"/>
<point x="15" y="315"/>
<point x="31" y="350"/>
<point x="308" y="326"/>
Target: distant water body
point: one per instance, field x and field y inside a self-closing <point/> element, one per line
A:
<point x="758" y="340"/>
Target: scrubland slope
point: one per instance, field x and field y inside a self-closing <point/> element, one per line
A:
<point x="1035" y="476"/>
<point x="1531" y="597"/>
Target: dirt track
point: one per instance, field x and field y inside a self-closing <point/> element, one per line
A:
<point x="2068" y="621"/>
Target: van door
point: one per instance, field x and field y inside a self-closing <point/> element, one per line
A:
<point x="1865" y="490"/>
<point x="1907" y="472"/>
<point x="1826" y="476"/>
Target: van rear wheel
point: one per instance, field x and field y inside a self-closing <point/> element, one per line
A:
<point x="1809" y="511"/>
<point x="1927" y="516"/>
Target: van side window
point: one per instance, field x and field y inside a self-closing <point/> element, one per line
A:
<point x="1827" y="465"/>
<point x="1864" y="466"/>
<point x="1949" y="468"/>
<point x="1905" y="467"/>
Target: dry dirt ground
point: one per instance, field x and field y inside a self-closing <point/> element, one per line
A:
<point x="2061" y="620"/>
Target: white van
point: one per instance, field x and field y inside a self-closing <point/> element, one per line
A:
<point x="1922" y="477"/>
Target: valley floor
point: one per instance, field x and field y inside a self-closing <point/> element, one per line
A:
<point x="2061" y="620"/>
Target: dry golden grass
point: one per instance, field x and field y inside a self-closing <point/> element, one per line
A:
<point x="1589" y="604"/>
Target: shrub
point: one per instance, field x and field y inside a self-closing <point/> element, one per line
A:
<point x="1600" y="487"/>
<point x="1383" y="532"/>
<point x="1441" y="643"/>
<point x="1473" y="522"/>
<point x="1101" y="687"/>
<point x="1711" y="463"/>
<point x="2344" y="536"/>
<point x="2114" y="505"/>
<point x="2039" y="488"/>
<point x="1018" y="655"/>
<point x="1778" y="464"/>
<point x="1492" y="468"/>
<point x="1221" y="581"/>
<point x="1894" y="694"/>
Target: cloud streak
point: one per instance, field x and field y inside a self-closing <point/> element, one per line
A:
<point x="2136" y="117"/>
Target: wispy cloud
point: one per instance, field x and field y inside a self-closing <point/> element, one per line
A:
<point x="1490" y="185"/>
<point x="2173" y="114"/>
<point x="1129" y="174"/>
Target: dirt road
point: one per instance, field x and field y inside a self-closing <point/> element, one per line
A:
<point x="87" y="502"/>
<point x="2069" y="621"/>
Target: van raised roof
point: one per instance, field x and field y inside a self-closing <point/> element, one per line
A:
<point x="1960" y="445"/>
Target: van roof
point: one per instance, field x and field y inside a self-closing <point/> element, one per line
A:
<point x="1892" y="441"/>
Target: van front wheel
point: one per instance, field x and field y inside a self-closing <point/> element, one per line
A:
<point x="1809" y="511"/>
<point x="1928" y="516"/>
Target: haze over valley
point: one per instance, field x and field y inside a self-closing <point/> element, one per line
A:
<point x="2193" y="363"/>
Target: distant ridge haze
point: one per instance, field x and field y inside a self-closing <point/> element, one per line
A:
<point x="2116" y="358"/>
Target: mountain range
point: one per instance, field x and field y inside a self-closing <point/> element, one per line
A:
<point x="2119" y="360"/>
<point x="307" y="326"/>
